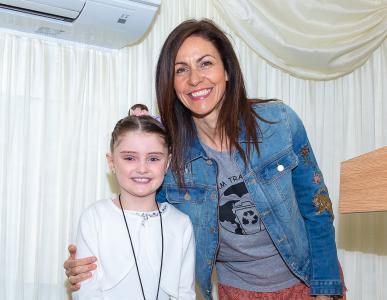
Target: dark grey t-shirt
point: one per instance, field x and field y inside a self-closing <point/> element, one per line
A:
<point x="247" y="258"/>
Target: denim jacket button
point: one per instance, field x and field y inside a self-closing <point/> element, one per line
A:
<point x="214" y="196"/>
<point x="209" y="162"/>
<point x="209" y="262"/>
<point x="212" y="229"/>
<point x="187" y="196"/>
<point x="280" y="168"/>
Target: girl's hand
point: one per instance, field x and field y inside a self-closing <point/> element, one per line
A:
<point x="78" y="270"/>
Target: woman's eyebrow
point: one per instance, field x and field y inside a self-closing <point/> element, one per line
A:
<point x="199" y="59"/>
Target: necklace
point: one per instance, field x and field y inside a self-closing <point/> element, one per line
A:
<point x="134" y="254"/>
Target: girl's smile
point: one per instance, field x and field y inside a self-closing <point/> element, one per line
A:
<point x="139" y="170"/>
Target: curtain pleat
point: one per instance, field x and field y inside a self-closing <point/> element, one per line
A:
<point x="309" y="39"/>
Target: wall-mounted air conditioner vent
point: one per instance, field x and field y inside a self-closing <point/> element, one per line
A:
<point x="105" y="23"/>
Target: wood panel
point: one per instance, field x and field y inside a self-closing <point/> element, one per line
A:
<point x="363" y="183"/>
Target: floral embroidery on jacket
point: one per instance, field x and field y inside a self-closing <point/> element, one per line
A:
<point x="317" y="177"/>
<point x="322" y="202"/>
<point x="305" y="154"/>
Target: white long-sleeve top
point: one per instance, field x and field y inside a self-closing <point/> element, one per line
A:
<point x="102" y="233"/>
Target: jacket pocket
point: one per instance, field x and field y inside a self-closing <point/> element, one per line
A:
<point x="282" y="164"/>
<point x="187" y="195"/>
<point x="276" y="181"/>
<point x="190" y="201"/>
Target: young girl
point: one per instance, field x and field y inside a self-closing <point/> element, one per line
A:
<point x="144" y="250"/>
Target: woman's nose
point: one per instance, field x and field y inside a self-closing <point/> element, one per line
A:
<point x="195" y="77"/>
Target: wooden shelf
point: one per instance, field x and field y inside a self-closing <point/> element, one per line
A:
<point x="363" y="183"/>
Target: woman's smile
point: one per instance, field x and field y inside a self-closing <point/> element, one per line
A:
<point x="200" y="94"/>
<point x="200" y="77"/>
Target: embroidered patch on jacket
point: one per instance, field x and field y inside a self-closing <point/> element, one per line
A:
<point x="317" y="177"/>
<point x="305" y="154"/>
<point x="322" y="202"/>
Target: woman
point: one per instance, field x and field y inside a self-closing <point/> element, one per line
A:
<point x="244" y="171"/>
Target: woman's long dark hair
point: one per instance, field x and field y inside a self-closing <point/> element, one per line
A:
<point x="177" y="119"/>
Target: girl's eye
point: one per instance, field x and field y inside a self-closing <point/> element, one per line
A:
<point x="129" y="158"/>
<point x="154" y="159"/>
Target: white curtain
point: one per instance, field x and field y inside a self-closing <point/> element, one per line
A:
<point x="311" y="39"/>
<point x="59" y="102"/>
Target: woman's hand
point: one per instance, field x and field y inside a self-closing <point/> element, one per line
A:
<point x="78" y="270"/>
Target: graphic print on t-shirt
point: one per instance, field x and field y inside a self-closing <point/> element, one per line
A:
<point x="237" y="214"/>
<point x="247" y="258"/>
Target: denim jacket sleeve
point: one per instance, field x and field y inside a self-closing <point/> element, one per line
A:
<point x="316" y="209"/>
<point x="160" y="195"/>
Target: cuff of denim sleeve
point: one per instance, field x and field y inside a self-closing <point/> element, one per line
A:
<point x="326" y="287"/>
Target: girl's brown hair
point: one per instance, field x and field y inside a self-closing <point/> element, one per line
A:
<point x="138" y="123"/>
<point x="177" y="119"/>
<point x="140" y="106"/>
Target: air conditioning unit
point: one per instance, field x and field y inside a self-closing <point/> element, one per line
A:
<point x="104" y="23"/>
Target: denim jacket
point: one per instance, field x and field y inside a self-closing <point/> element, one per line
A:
<point x="288" y="190"/>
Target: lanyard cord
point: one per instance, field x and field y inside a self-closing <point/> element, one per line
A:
<point x="134" y="254"/>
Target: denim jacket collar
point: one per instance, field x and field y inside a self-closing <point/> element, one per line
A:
<point x="196" y="150"/>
